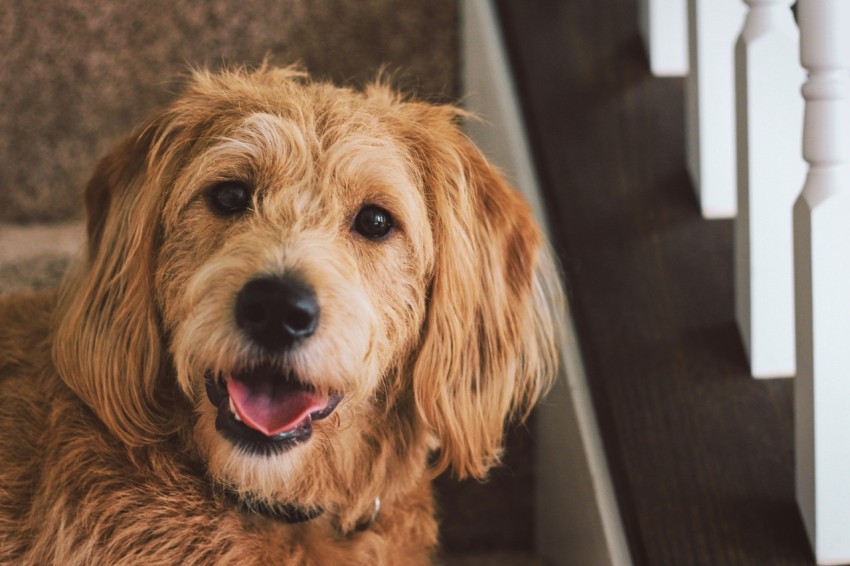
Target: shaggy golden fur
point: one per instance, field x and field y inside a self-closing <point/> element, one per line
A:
<point x="434" y="336"/>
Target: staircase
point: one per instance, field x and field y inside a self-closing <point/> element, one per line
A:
<point x="701" y="454"/>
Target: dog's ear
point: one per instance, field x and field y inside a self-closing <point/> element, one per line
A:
<point x="489" y="346"/>
<point x="107" y="345"/>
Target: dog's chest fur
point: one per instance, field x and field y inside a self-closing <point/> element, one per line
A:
<point x="69" y="492"/>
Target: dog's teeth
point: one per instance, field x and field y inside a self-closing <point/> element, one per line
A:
<point x="233" y="410"/>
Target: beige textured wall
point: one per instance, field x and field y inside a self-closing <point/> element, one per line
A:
<point x="77" y="74"/>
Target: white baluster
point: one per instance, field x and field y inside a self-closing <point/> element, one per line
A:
<point x="713" y="28"/>
<point x="664" y="27"/>
<point x="771" y="172"/>
<point x="822" y="283"/>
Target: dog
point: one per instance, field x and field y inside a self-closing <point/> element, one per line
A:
<point x="298" y="303"/>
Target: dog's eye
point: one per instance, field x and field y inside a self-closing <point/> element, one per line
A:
<point x="230" y="197"/>
<point x="373" y="222"/>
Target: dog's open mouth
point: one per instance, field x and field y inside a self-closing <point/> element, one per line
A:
<point x="265" y="409"/>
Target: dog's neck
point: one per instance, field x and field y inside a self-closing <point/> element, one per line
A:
<point x="293" y="514"/>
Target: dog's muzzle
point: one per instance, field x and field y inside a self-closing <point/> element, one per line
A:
<point x="264" y="407"/>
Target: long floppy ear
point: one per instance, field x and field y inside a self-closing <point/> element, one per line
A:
<point x="489" y="349"/>
<point x="107" y="345"/>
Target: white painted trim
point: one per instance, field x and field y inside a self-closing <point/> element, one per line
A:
<point x="578" y="518"/>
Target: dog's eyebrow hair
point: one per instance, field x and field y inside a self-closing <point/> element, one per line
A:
<point x="262" y="147"/>
<point x="259" y="142"/>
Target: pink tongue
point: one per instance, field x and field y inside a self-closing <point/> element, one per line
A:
<point x="273" y="410"/>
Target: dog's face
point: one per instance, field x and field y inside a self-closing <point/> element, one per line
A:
<point x="334" y="282"/>
<point x="292" y="280"/>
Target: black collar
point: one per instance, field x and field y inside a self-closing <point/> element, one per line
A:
<point x="293" y="514"/>
<point x="285" y="512"/>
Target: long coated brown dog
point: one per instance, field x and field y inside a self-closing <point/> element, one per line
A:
<point x="298" y="304"/>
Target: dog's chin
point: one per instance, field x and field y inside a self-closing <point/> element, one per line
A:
<point x="265" y="411"/>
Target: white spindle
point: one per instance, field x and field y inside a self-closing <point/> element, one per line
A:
<point x="664" y="27"/>
<point x="822" y="283"/>
<point x="713" y="28"/>
<point x="771" y="172"/>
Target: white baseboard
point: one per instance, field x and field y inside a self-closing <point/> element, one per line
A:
<point x="578" y="521"/>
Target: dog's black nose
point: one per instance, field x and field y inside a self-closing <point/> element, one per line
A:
<point x="275" y="312"/>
